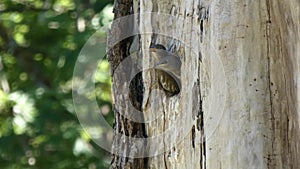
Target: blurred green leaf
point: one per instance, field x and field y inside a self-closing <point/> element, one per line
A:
<point x="39" y="44"/>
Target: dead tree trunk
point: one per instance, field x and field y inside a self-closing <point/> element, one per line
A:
<point x="239" y="104"/>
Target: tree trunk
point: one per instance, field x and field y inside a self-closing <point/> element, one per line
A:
<point x="239" y="104"/>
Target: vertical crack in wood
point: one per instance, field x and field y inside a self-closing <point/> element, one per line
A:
<point x="193" y="136"/>
<point x="164" y="128"/>
<point x="273" y="129"/>
<point x="200" y="124"/>
<point x="203" y="14"/>
<point x="201" y="129"/>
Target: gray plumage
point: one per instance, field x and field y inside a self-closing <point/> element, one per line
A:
<point x="168" y="67"/>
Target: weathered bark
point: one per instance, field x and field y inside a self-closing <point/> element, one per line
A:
<point x="258" y="44"/>
<point x="240" y="101"/>
<point x="122" y="125"/>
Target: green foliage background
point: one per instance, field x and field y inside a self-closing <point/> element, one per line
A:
<point x="39" y="44"/>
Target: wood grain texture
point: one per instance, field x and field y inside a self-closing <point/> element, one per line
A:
<point x="240" y="101"/>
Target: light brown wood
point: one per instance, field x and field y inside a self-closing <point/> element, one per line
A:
<point x="240" y="101"/>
